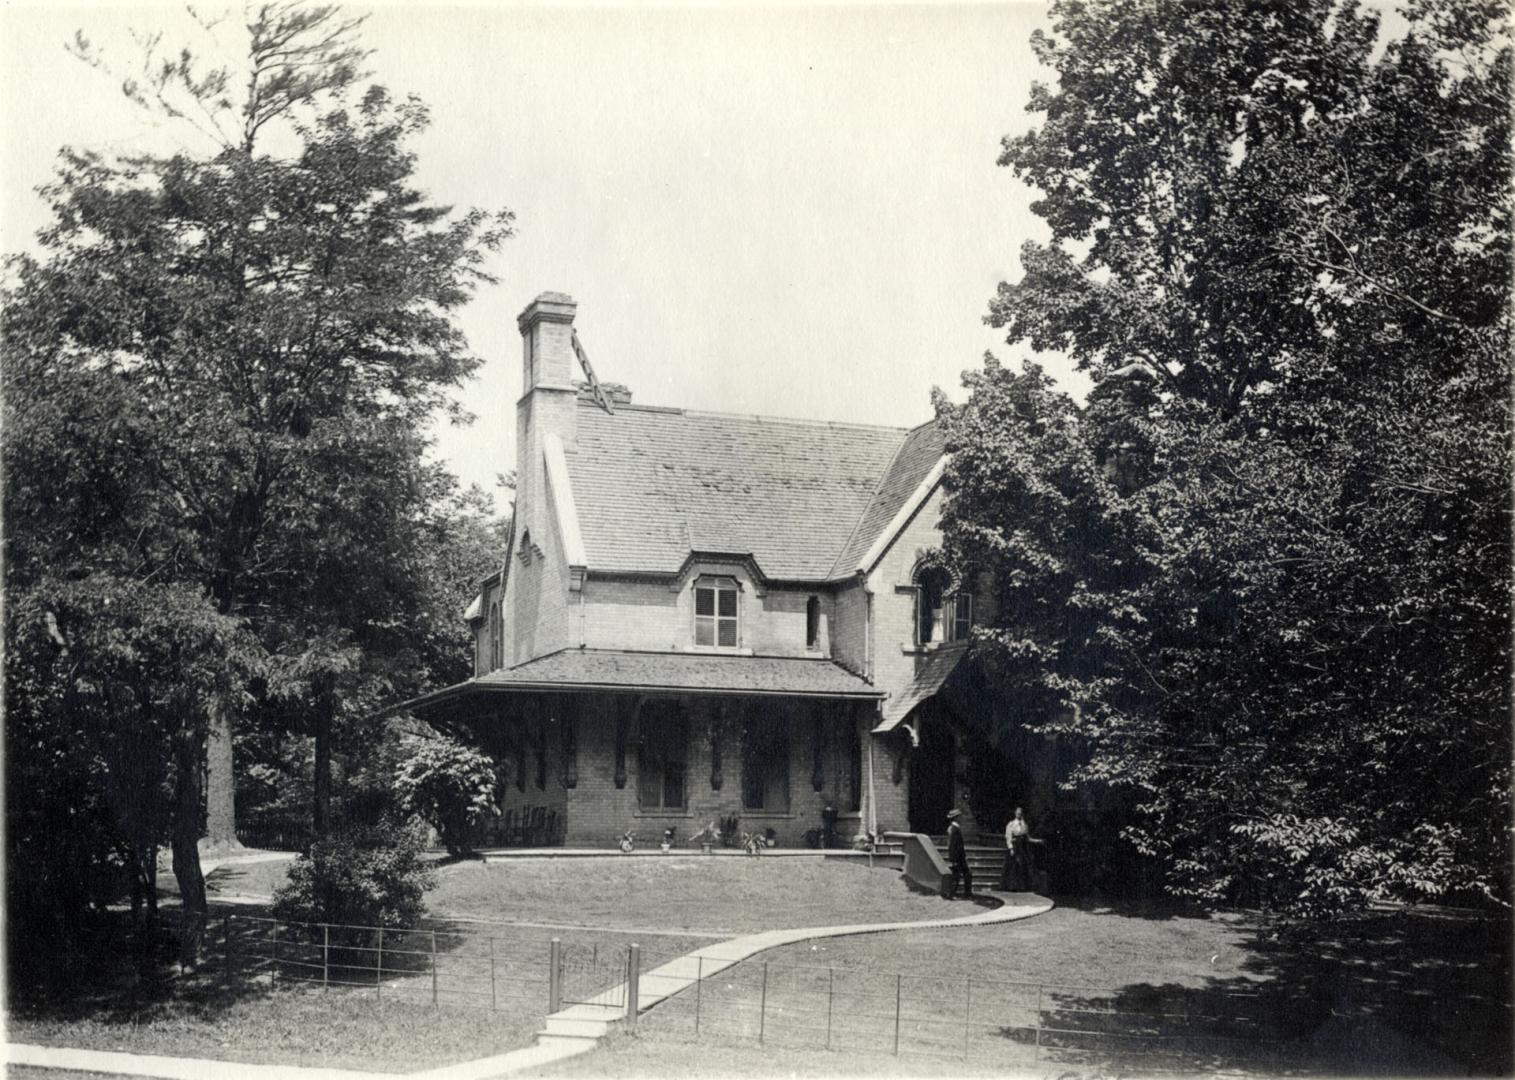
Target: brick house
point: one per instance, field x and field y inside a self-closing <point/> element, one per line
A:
<point x="704" y="615"/>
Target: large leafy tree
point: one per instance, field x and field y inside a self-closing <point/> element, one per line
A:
<point x="1264" y="574"/>
<point x="218" y="376"/>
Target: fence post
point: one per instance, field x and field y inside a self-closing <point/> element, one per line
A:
<point x="967" y="1016"/>
<point x="325" y="956"/>
<point x="494" y="997"/>
<point x="378" y="982"/>
<point x="555" y="976"/>
<point x="763" y="1005"/>
<point x="896" y="1014"/>
<point x="830" y="996"/>
<point x="1038" y="1021"/>
<point x="273" y="978"/>
<point x="633" y="984"/>
<point x="699" y="982"/>
<point x="433" y="967"/>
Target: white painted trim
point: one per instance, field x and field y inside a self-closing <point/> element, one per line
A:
<point x="562" y="502"/>
<point x="902" y="518"/>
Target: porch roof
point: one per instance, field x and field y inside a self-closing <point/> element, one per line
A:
<point x="613" y="670"/>
<point x="932" y="672"/>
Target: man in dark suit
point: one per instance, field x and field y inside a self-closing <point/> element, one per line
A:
<point x="957" y="856"/>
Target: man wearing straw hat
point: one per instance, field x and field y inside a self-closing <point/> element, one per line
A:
<point x="957" y="855"/>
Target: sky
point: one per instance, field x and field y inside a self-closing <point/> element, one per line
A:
<point x="789" y="211"/>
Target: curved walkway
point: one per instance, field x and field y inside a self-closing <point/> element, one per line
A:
<point x="568" y="1033"/>
<point x="577" y="1029"/>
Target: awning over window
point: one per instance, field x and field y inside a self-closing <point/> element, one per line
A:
<point x="931" y="672"/>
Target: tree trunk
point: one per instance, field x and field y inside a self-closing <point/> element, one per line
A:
<point x="220" y="781"/>
<point x="326" y="707"/>
<point x="186" y="845"/>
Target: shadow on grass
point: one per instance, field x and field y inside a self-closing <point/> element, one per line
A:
<point x="1410" y="992"/>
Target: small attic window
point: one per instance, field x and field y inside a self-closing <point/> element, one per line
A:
<point x="715" y="613"/>
<point x="813" y="623"/>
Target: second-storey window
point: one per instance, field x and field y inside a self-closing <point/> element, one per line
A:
<point x="962" y="615"/>
<point x="715" y="613"/>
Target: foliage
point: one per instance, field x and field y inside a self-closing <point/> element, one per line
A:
<point x="1264" y="574"/>
<point x="365" y="877"/>
<point x="218" y="376"/>
<point x="730" y="828"/>
<point x="448" y="785"/>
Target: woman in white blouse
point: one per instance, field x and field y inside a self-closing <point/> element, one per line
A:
<point x="1016" y="876"/>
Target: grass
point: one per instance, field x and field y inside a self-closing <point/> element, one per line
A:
<point x="645" y="1054"/>
<point x="284" y="1026"/>
<point x="1420" y="992"/>
<point x="705" y="894"/>
<point x="247" y="879"/>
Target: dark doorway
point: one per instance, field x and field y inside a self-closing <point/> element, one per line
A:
<point x="931" y="773"/>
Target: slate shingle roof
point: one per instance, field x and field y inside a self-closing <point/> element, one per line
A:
<point x="931" y="671"/>
<point x="654" y="484"/>
<point x="918" y="452"/>
<point x="609" y="669"/>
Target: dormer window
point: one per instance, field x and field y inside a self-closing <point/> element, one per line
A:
<point x="939" y="615"/>
<point x="715" y="613"/>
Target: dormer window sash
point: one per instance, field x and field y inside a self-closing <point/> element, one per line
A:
<point x="717" y="613"/>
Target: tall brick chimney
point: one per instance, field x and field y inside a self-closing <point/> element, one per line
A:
<point x="546" y="407"/>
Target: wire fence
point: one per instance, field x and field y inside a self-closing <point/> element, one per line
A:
<point x="428" y="966"/>
<point x="960" y="1017"/>
<point x="975" y="1020"/>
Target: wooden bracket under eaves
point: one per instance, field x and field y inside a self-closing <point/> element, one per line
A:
<point x="594" y="383"/>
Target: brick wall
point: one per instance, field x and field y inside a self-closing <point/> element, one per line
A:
<point x="626" y="614"/>
<point x="895" y="656"/>
<point x="598" y="811"/>
<point x="849" y="630"/>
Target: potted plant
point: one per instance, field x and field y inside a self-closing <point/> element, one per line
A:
<point x="730" y="830"/>
<point x="667" y="845"/>
<point x="706" y="837"/>
<point x="628" y="842"/>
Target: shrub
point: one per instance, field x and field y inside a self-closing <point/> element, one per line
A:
<point x="364" y="877"/>
<point x="447" y="785"/>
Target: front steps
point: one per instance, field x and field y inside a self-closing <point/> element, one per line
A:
<point x="985" y="860"/>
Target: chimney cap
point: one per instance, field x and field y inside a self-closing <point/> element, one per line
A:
<point x="549" y="307"/>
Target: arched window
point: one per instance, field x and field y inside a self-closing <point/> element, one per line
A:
<point x="940" y="615"/>
<point x="496" y="637"/>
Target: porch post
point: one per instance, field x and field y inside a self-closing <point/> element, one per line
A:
<point x="872" y="800"/>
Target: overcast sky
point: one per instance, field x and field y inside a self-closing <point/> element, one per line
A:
<point x="790" y="211"/>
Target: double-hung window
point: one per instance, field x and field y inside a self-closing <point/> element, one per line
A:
<point x="664" y="760"/>
<point x="715" y="613"/>
<point x="962" y="615"/>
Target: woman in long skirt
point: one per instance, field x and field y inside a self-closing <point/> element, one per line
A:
<point x="1016" y="876"/>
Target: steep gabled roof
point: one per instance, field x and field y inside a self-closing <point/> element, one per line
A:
<point x="654" y="484"/>
<point x="920" y="450"/>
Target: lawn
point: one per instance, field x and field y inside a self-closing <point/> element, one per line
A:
<point x="247" y="879"/>
<point x="703" y="894"/>
<point x="284" y="1026"/>
<point x="1421" y="993"/>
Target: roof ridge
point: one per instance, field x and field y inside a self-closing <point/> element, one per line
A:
<point x="868" y="503"/>
<point x="763" y="418"/>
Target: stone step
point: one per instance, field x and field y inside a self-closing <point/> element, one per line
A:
<point x="558" y="1027"/>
